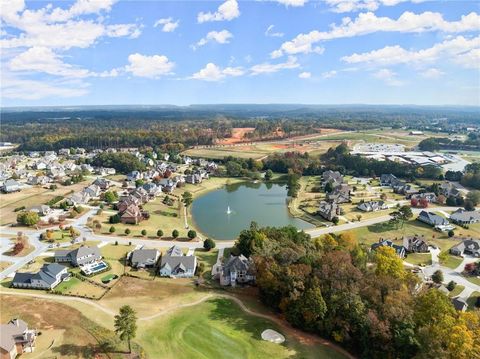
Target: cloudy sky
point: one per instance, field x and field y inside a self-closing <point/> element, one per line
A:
<point x="94" y="52"/>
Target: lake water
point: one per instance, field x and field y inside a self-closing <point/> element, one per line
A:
<point x="264" y="203"/>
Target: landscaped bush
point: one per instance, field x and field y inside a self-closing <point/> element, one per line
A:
<point x="209" y="244"/>
<point x="191" y="234"/>
<point x="175" y="233"/>
<point x="19" y="209"/>
<point x="54" y="200"/>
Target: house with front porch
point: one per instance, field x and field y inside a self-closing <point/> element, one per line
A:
<point x="16" y="339"/>
<point x="174" y="264"/>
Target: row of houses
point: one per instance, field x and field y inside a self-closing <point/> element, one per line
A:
<point x="330" y="207"/>
<point x="414" y="244"/>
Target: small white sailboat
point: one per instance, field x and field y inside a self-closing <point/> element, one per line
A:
<point x="229" y="210"/>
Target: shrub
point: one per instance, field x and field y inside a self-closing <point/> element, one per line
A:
<point x="437" y="276"/>
<point x="112" y="229"/>
<point x="191" y="234"/>
<point x="209" y="244"/>
<point x="175" y="233"/>
<point x="159" y="233"/>
<point x="116" y="243"/>
<point x="114" y="219"/>
<point x="28" y="218"/>
<point x="144" y="232"/>
<point x="451" y="233"/>
<point x="451" y="285"/>
<point x="127" y="231"/>
<point x="18" y="209"/>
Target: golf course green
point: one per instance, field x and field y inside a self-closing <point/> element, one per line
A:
<point x="218" y="328"/>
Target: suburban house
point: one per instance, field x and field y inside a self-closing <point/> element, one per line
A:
<point x="467" y="246"/>
<point x="152" y="189"/>
<point x="48" y="277"/>
<point x="102" y="183"/>
<point x="430" y="197"/>
<point x="462" y="216"/>
<point x="399" y="250"/>
<point x="42" y="210"/>
<point x="175" y="264"/>
<point x="143" y="258"/>
<point x="432" y="219"/>
<point x="10" y="186"/>
<point x="132" y="215"/>
<point x="38" y="180"/>
<point x="340" y="194"/>
<point x="78" y="257"/>
<point x="237" y="269"/>
<point x="406" y="189"/>
<point x="124" y="203"/>
<point x="79" y="198"/>
<point x="16" y="339"/>
<point x="372" y="206"/>
<point x="415" y="244"/>
<point x="459" y="304"/>
<point x="328" y="210"/>
<point x="333" y="177"/>
<point x="134" y="175"/>
<point x="448" y="189"/>
<point x="93" y="190"/>
<point x="388" y="180"/>
<point x="193" y="178"/>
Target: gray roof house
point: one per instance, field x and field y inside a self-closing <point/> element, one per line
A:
<point x="48" y="277"/>
<point x="10" y="185"/>
<point x="415" y="244"/>
<point x="16" y="339"/>
<point x="399" y="250"/>
<point x="142" y="258"/>
<point x="459" y="304"/>
<point x="42" y="210"/>
<point x="462" y="216"/>
<point x="333" y="177"/>
<point x="340" y="194"/>
<point x="372" y="206"/>
<point x="432" y="219"/>
<point x="467" y="246"/>
<point x="237" y="269"/>
<point x="175" y="264"/>
<point x="328" y="210"/>
<point x="78" y="257"/>
<point x="448" y="189"/>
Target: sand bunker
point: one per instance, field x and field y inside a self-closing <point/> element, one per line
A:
<point x="273" y="336"/>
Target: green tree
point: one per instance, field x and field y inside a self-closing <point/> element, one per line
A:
<point x="474" y="197"/>
<point x="126" y="325"/>
<point x="112" y="229"/>
<point x="451" y="285"/>
<point x="159" y="233"/>
<point x="111" y="196"/>
<point x="268" y="175"/>
<point x="144" y="232"/>
<point x="191" y="234"/>
<point x="437" y="276"/>
<point x="28" y="218"/>
<point x="187" y="198"/>
<point x="127" y="231"/>
<point x="208" y="244"/>
<point x="175" y="233"/>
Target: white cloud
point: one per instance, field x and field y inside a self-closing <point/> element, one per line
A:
<point x="304" y="75"/>
<point x="58" y="28"/>
<point x="15" y="88"/>
<point x="267" y="67"/>
<point x="329" y="74"/>
<point x="225" y="12"/>
<point x="341" y="6"/>
<point x="457" y="50"/>
<point x="293" y="3"/>
<point x="149" y="66"/>
<point x="388" y="76"/>
<point x="367" y="23"/>
<point x="469" y="59"/>
<point x="269" y="32"/>
<point x="432" y="73"/>
<point x="168" y="25"/>
<point x="221" y="37"/>
<point x="212" y="72"/>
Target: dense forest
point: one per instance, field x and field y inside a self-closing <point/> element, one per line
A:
<point x="130" y="126"/>
<point x="325" y="286"/>
<point x="472" y="143"/>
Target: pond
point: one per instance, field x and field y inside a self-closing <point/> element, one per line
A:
<point x="225" y="212"/>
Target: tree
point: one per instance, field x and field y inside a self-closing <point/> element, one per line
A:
<point x="144" y="232"/>
<point x="268" y="175"/>
<point x="126" y="324"/>
<point x="175" y="233"/>
<point x="359" y="217"/>
<point x="403" y="214"/>
<point x="191" y="234"/>
<point x="335" y="220"/>
<point x="469" y="206"/>
<point x="112" y="229"/>
<point x="451" y="285"/>
<point x="187" y="198"/>
<point x="114" y="219"/>
<point x="474" y="197"/>
<point x="28" y="218"/>
<point x="388" y="263"/>
<point x="127" y="231"/>
<point x="437" y="276"/>
<point x="451" y="201"/>
<point x="451" y="233"/>
<point x="110" y="196"/>
<point x="208" y="244"/>
<point x="328" y="187"/>
<point x="160" y="233"/>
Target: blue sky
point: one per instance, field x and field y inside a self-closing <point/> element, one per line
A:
<point x="91" y="52"/>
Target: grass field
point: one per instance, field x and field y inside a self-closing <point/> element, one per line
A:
<point x="30" y="197"/>
<point x="456" y="291"/>
<point x="74" y="335"/>
<point x="451" y="261"/>
<point x="219" y="329"/>
<point x="474" y="280"/>
<point x="472" y="300"/>
<point x="419" y="258"/>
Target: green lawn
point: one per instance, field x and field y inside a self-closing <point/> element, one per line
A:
<point x="474" y="280"/>
<point x="451" y="261"/>
<point x="456" y="291"/>
<point x="419" y="258"/>
<point x="66" y="286"/>
<point x="218" y="328"/>
<point x="472" y="300"/>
